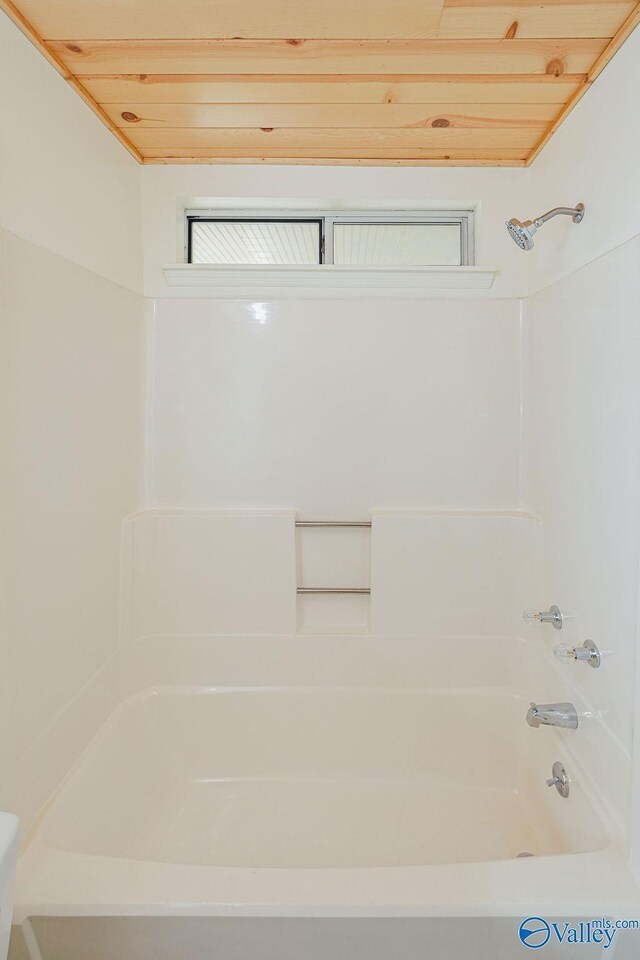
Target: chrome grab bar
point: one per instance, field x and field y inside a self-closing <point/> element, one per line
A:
<point x="333" y="523"/>
<point x="305" y="590"/>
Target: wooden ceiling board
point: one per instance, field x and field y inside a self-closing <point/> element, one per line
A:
<point x="423" y="155"/>
<point x="229" y="19"/>
<point x="461" y="57"/>
<point x="482" y="82"/>
<point x="249" y="141"/>
<point x="479" y="19"/>
<point x="164" y="116"/>
<point x="234" y="89"/>
<point x="333" y="20"/>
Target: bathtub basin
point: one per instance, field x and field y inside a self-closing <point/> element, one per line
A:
<point x="377" y="781"/>
<point x="315" y="778"/>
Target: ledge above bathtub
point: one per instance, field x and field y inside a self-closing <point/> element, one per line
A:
<point x="327" y="281"/>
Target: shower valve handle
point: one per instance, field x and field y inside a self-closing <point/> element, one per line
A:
<point x="552" y="616"/>
<point x="559" y="779"/>
<point x="587" y="652"/>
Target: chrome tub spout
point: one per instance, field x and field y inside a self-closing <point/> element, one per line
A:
<point x="552" y="715"/>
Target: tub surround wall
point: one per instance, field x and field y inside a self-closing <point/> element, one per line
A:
<point x="432" y="575"/>
<point x="380" y="662"/>
<point x="335" y="408"/>
<point x="583" y="470"/>
<point x="593" y="749"/>
<point x="581" y="451"/>
<point x="460" y="574"/>
<point x="211" y="573"/>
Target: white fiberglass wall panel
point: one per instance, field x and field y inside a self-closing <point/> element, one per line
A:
<point x="334" y="409"/>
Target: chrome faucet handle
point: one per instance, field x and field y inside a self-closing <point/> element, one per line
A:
<point x="552" y="616"/>
<point x="588" y="652"/>
<point x="559" y="779"/>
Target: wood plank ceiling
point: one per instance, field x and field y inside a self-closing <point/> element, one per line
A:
<point x="353" y="81"/>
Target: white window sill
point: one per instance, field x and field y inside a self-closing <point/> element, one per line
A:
<point x="324" y="282"/>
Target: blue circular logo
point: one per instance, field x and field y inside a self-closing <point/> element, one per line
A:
<point x="534" y="932"/>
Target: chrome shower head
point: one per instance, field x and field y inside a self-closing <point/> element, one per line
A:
<point x="522" y="233"/>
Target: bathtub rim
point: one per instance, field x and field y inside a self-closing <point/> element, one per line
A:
<point x="583" y="884"/>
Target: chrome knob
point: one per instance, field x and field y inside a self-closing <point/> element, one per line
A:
<point x="559" y="780"/>
<point x="588" y="652"/>
<point x="552" y="616"/>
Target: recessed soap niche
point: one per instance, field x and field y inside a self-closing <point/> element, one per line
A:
<point x="333" y="557"/>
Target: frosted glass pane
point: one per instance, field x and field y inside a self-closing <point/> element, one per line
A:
<point x="410" y="244"/>
<point x="255" y="242"/>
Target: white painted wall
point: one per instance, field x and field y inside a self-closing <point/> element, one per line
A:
<point x="72" y="367"/>
<point x="496" y="194"/>
<point x="65" y="182"/>
<point x="70" y="382"/>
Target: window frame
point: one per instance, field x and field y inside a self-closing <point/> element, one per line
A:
<point x="208" y="218"/>
<point x="464" y="218"/>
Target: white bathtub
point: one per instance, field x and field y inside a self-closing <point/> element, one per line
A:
<point x="407" y="796"/>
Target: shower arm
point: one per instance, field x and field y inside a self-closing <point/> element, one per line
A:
<point x="576" y="214"/>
